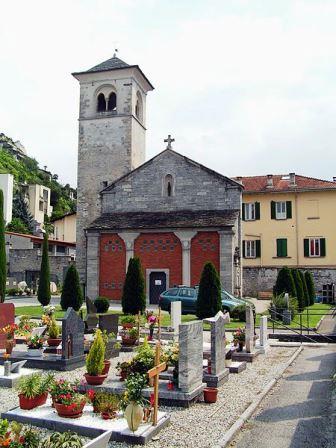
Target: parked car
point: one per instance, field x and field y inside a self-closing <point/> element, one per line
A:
<point x="188" y="297"/>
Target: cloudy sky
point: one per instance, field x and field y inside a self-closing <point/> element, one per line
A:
<point x="246" y="87"/>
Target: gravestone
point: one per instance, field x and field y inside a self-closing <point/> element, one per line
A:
<point x="72" y="335"/>
<point x="7" y="316"/>
<point x="109" y="323"/>
<point x="91" y="320"/>
<point x="263" y="338"/>
<point x="16" y="366"/>
<point x="190" y="363"/>
<point x="175" y="316"/>
<point x="90" y="306"/>
<point x="38" y="331"/>
<point x="249" y="331"/>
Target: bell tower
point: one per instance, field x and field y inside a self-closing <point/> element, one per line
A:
<point x="112" y="137"/>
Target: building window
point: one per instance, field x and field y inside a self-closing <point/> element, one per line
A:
<point x="281" y="247"/>
<point x="41" y="206"/>
<point x="251" y="211"/>
<point x="251" y="248"/>
<point x="314" y="247"/>
<point x="281" y="210"/>
<point x="168" y="186"/>
<point x="61" y="250"/>
<point x="101" y="103"/>
<point x="112" y="102"/>
<point x="45" y="195"/>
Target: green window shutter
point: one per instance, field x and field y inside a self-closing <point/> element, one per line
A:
<point x="272" y="210"/>
<point x="288" y="209"/>
<point x="244" y="253"/>
<point x="284" y="247"/>
<point x="322" y="247"/>
<point x="257" y="210"/>
<point x="243" y="211"/>
<point x="306" y="247"/>
<point x="281" y="247"/>
<point x="258" y="248"/>
<point x="278" y="244"/>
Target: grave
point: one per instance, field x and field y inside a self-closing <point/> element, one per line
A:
<point x="250" y="352"/>
<point x="91" y="320"/>
<point x="263" y="335"/>
<point x="7" y="317"/>
<point x="15" y="372"/>
<point x="89" y="425"/>
<point x="175" y="317"/>
<point x="216" y="359"/>
<point x="109" y="323"/>
<point x="234" y="366"/>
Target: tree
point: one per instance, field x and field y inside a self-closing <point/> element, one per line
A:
<point x="20" y="211"/>
<point x="305" y="289"/>
<point x="3" y="262"/>
<point x="133" y="298"/>
<point x="209" y="300"/>
<point x="43" y="294"/>
<point x="299" y="289"/>
<point x="310" y="287"/>
<point x="284" y="283"/>
<point x="72" y="294"/>
<point x="18" y="226"/>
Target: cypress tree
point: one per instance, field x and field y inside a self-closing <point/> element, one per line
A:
<point x="284" y="283"/>
<point x="299" y="289"/>
<point x="310" y="287"/>
<point x="3" y="262"/>
<point x="43" y="294"/>
<point x="133" y="298"/>
<point x="305" y="289"/>
<point x="209" y="300"/>
<point x="72" y="294"/>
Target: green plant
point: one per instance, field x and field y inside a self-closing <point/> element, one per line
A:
<point x="31" y="438"/>
<point x="209" y="293"/>
<point x="46" y="382"/>
<point x="96" y="356"/>
<point x="144" y="359"/>
<point x="305" y="289"/>
<point x="133" y="298"/>
<point x="30" y="386"/>
<point x="102" y="304"/>
<point x="239" y="335"/>
<point x="72" y="294"/>
<point x="108" y="403"/>
<point x="127" y="319"/>
<point x="3" y="262"/>
<point x="239" y="313"/>
<point x="12" y="292"/>
<point x="63" y="440"/>
<point x="117" y="345"/>
<point x="53" y="329"/>
<point x="124" y="367"/>
<point x="134" y="385"/>
<point x="280" y="303"/>
<point x="133" y="333"/>
<point x="299" y="288"/>
<point x="35" y="342"/>
<point x="284" y="283"/>
<point x="310" y="287"/>
<point x="43" y="294"/>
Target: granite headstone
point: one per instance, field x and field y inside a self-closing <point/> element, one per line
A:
<point x="190" y="363"/>
<point x="109" y="323"/>
<point x="72" y="335"/>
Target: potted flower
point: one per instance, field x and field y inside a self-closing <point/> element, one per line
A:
<point x="239" y="337"/>
<point x="108" y="405"/>
<point x="129" y="336"/>
<point x="33" y="390"/>
<point x="66" y="399"/>
<point x="53" y="332"/>
<point x="9" y="330"/>
<point x="127" y="321"/>
<point x="134" y="400"/>
<point x="124" y="368"/>
<point x="95" y="361"/>
<point x="151" y="321"/>
<point x="35" y="346"/>
<point x="15" y="435"/>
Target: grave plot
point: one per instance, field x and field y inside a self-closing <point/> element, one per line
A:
<point x="11" y="373"/>
<point x="249" y="352"/>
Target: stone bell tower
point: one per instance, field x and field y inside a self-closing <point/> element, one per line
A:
<point x="112" y="133"/>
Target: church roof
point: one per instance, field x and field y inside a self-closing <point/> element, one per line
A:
<point x="158" y="220"/>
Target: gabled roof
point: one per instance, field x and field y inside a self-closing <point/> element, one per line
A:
<point x="176" y="154"/>
<point x="283" y="183"/>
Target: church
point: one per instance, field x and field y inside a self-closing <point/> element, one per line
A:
<point x="170" y="211"/>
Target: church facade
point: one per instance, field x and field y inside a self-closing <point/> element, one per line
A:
<point x="172" y="212"/>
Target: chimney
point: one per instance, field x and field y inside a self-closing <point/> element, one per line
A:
<point x="334" y="179"/>
<point x="270" y="181"/>
<point x="239" y="179"/>
<point x="292" y="180"/>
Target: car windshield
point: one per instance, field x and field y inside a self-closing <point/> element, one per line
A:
<point x="171" y="292"/>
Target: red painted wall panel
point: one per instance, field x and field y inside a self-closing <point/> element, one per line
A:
<point x="112" y="268"/>
<point x="204" y="247"/>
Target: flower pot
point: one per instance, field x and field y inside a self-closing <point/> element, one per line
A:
<point x="54" y="342"/>
<point x="70" y="411"/>
<point x="9" y="345"/>
<point x="133" y="414"/>
<point x="29" y="403"/>
<point x="42" y="399"/>
<point x="95" y="380"/>
<point x="107" y="365"/>
<point x="210" y="394"/>
<point x="35" y="352"/>
<point x="123" y="375"/>
<point x="127" y="326"/>
<point x="128" y="341"/>
<point x="108" y="415"/>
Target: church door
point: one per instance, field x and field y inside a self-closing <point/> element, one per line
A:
<point x="157" y="284"/>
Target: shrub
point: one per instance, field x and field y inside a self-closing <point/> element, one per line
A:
<point x="133" y="298"/>
<point x="299" y="289"/>
<point x="63" y="440"/>
<point x="43" y="294"/>
<point x="127" y="319"/>
<point x="102" y="304"/>
<point x="239" y="313"/>
<point x="96" y="356"/>
<point x="209" y="300"/>
<point x="12" y="292"/>
<point x="280" y="303"/>
<point x="305" y="289"/>
<point x="284" y="283"/>
<point x="3" y="262"/>
<point x="53" y="330"/>
<point x="310" y="287"/>
<point x="72" y="294"/>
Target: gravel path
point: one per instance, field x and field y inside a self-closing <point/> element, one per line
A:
<point x="201" y="425"/>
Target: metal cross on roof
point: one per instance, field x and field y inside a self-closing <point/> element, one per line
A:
<point x="169" y="141"/>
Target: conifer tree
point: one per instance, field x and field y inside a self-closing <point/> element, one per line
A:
<point x="3" y="262"/>
<point x="133" y="298"/>
<point x="305" y="289"/>
<point x="72" y="294"/>
<point x="284" y="283"/>
<point x="299" y="289"/>
<point x="43" y="294"/>
<point x="209" y="300"/>
<point x="310" y="287"/>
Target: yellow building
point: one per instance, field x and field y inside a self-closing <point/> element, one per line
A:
<point x="288" y="220"/>
<point x="65" y="228"/>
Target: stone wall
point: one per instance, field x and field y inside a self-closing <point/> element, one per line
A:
<point x="263" y="278"/>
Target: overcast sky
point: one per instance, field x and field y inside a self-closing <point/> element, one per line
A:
<point x="246" y="87"/>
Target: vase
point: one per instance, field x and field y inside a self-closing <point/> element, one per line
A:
<point x="126" y="340"/>
<point x="151" y="333"/>
<point x="9" y="346"/>
<point x="70" y="411"/>
<point x="31" y="403"/>
<point x="107" y="365"/>
<point x="134" y="415"/>
<point x="240" y="346"/>
<point x="54" y="342"/>
<point x="210" y="394"/>
<point x="95" y="380"/>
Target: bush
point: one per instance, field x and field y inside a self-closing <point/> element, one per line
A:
<point x="133" y="298"/>
<point x="209" y="300"/>
<point x="280" y="303"/>
<point x="310" y="287"/>
<point x="12" y="292"/>
<point x="53" y="330"/>
<point x="3" y="262"/>
<point x="299" y="288"/>
<point x="102" y="304"/>
<point x="284" y="283"/>
<point x="96" y="356"/>
<point x="239" y="313"/>
<point x="43" y="294"/>
<point x="72" y="294"/>
<point x="305" y="289"/>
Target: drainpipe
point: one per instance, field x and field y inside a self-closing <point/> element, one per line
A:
<point x="297" y="230"/>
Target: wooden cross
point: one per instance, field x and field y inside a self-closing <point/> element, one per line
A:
<point x="154" y="373"/>
<point x="169" y="141"/>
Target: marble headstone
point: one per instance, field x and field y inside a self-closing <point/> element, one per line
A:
<point x="72" y="335"/>
<point x="109" y="322"/>
<point x="217" y="332"/>
<point x="263" y="332"/>
<point x="7" y="316"/>
<point x="249" y="332"/>
<point x="90" y="306"/>
<point x="175" y="315"/>
<point x="190" y="363"/>
<point x="16" y="366"/>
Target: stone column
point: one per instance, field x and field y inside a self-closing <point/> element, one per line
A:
<point x="249" y="331"/>
<point x="263" y="332"/>
<point x="92" y="265"/>
<point x="185" y="236"/>
<point x="226" y="253"/>
<point x="129" y="238"/>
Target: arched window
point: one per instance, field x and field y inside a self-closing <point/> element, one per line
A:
<point x="112" y="102"/>
<point x="138" y="106"/>
<point x="101" y="103"/>
<point x="168" y="185"/>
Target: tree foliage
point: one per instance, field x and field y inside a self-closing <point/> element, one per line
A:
<point x="43" y="293"/>
<point x="21" y="212"/>
<point x="209" y="300"/>
<point x="72" y="294"/>
<point x="284" y="283"/>
<point x="3" y="263"/>
<point x="133" y="298"/>
<point x="305" y="289"/>
<point x="299" y="289"/>
<point x="18" y="226"/>
<point x="310" y="287"/>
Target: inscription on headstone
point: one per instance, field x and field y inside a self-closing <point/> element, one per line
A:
<point x="72" y="335"/>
